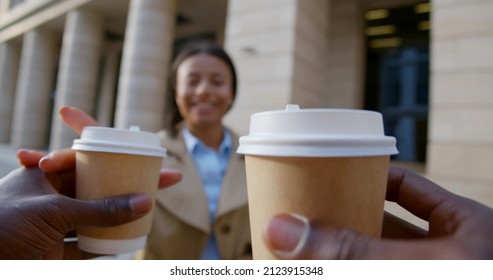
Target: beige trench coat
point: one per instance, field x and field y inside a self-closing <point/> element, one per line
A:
<point x="181" y="225"/>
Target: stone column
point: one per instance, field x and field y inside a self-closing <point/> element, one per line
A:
<point x="32" y="109"/>
<point x="460" y="144"/>
<point x="146" y="57"/>
<point x="106" y="98"/>
<point x="78" y="71"/>
<point x="345" y="78"/>
<point x="9" y="66"/>
<point x="4" y="6"/>
<point x="311" y="54"/>
<point x="260" y="37"/>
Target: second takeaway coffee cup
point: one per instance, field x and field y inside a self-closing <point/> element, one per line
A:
<point x="112" y="162"/>
<point x="329" y="165"/>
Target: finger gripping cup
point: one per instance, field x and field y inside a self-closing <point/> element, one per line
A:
<point x="112" y="162"/>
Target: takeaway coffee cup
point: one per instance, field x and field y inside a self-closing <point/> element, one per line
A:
<point x="329" y="165"/>
<point x="112" y="162"/>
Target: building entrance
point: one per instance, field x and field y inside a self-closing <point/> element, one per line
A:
<point x="397" y="76"/>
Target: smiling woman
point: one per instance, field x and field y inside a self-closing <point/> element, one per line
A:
<point x="203" y="95"/>
<point x="201" y="71"/>
<point x="205" y="216"/>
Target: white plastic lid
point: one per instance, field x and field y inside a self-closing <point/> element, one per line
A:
<point x="113" y="140"/>
<point x="317" y="133"/>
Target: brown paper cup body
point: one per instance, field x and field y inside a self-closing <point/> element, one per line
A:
<point x="342" y="192"/>
<point x="101" y="174"/>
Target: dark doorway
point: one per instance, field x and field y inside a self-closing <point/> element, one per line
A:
<point x="397" y="75"/>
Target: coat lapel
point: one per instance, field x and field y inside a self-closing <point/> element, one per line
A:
<point x="234" y="191"/>
<point x="186" y="200"/>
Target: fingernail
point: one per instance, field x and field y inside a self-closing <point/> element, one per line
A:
<point x="46" y="157"/>
<point x="42" y="162"/>
<point x="140" y="204"/>
<point x="287" y="234"/>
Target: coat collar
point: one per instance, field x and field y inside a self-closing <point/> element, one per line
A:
<point x="187" y="200"/>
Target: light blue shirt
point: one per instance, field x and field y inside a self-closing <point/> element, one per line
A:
<point x="212" y="166"/>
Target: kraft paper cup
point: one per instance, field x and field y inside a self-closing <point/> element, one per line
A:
<point x="329" y="165"/>
<point x="112" y="162"/>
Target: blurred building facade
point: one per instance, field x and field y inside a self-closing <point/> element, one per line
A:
<point x="111" y="59"/>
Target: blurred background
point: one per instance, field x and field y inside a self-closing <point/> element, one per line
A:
<point x="427" y="66"/>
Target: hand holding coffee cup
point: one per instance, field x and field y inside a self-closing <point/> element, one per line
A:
<point x="329" y="165"/>
<point x="111" y="162"/>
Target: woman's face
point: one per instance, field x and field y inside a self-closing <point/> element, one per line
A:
<point x="203" y="90"/>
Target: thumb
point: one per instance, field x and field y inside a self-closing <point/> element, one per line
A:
<point x="110" y="211"/>
<point x="291" y="236"/>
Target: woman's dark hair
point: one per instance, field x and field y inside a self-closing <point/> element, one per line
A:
<point x="191" y="49"/>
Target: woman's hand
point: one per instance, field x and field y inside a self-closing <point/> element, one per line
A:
<point x="63" y="160"/>
<point x="37" y="208"/>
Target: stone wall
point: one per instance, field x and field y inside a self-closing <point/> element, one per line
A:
<point x="460" y="149"/>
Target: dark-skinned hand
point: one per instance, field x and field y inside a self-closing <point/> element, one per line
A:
<point x="459" y="228"/>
